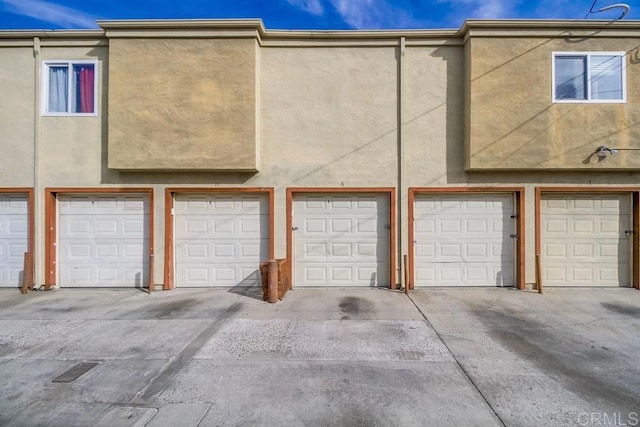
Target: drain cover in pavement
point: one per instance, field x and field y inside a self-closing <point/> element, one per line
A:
<point x="126" y="416"/>
<point x="75" y="372"/>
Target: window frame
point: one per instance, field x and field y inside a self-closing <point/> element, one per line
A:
<point x="587" y="55"/>
<point x="69" y="63"/>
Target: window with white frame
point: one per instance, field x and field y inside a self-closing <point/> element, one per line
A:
<point x="70" y="88"/>
<point x="589" y="77"/>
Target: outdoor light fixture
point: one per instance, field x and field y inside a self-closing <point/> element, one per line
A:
<point x="603" y="151"/>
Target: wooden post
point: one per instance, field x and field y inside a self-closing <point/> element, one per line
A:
<point x="151" y="279"/>
<point x="538" y="274"/>
<point x="273" y="281"/>
<point x="406" y="274"/>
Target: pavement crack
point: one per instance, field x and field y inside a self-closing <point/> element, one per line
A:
<point x="464" y="371"/>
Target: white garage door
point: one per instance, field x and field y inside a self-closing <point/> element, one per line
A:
<point x="220" y="239"/>
<point x="14" y="237"/>
<point x="583" y="241"/>
<point x="464" y="240"/>
<point x="341" y="239"/>
<point x="103" y="240"/>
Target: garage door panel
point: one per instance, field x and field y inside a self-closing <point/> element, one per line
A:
<point x="343" y="274"/>
<point x="588" y="204"/>
<point x="103" y="204"/>
<point x="465" y="274"/>
<point x="232" y="204"/>
<point x="312" y="250"/>
<point x="315" y="275"/>
<point x="244" y="250"/>
<point x="11" y="275"/>
<point x="454" y="205"/>
<point x="12" y="250"/>
<point x="222" y="226"/>
<point x="315" y="226"/>
<point x="369" y="226"/>
<point x="462" y="227"/>
<point x="13" y="204"/>
<point x="220" y="239"/>
<point x="14" y="226"/>
<point x="583" y="239"/>
<point x="79" y="226"/>
<point x="603" y="251"/>
<point x="464" y="239"/>
<point x="372" y="273"/>
<point x="584" y="274"/>
<point x="341" y="240"/>
<point x="14" y="237"/>
<point x="207" y="275"/>
<point x="103" y="249"/>
<point x="340" y="225"/>
<point x="252" y="226"/>
<point x="341" y="250"/>
<point x="103" y="240"/>
<point x="105" y="274"/>
<point x="450" y="250"/>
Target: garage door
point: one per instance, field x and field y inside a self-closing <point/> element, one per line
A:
<point x="103" y="240"/>
<point x="14" y="237"/>
<point x="220" y="239"/>
<point x="464" y="240"/>
<point x="341" y="239"/>
<point x="583" y="241"/>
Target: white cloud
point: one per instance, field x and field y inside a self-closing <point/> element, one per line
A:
<point x="363" y="14"/>
<point x="52" y="13"/>
<point x="313" y="7"/>
<point x="372" y="14"/>
<point x="357" y="13"/>
<point x="483" y="9"/>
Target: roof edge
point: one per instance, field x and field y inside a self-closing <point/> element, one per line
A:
<point x="549" y="24"/>
<point x="43" y="34"/>
<point x="487" y="26"/>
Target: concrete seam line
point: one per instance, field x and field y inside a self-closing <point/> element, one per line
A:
<point x="159" y="383"/>
<point x="205" y="414"/>
<point x="464" y="371"/>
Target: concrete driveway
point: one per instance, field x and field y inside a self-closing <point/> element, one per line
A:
<point x="350" y="357"/>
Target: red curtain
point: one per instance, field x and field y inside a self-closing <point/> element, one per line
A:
<point x="85" y="89"/>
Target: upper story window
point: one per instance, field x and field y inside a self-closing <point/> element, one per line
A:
<point x="596" y="77"/>
<point x="70" y="88"/>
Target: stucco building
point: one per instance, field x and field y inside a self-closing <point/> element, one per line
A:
<point x="183" y="153"/>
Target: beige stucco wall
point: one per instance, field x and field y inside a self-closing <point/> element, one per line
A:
<point x="17" y="86"/>
<point x="329" y="119"/>
<point x="328" y="116"/>
<point x="182" y="104"/>
<point x="513" y="123"/>
<point x="72" y="147"/>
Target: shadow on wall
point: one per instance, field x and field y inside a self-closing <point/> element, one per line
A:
<point x="507" y="276"/>
<point x="454" y="104"/>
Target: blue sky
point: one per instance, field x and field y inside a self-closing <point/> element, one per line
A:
<point x="301" y="14"/>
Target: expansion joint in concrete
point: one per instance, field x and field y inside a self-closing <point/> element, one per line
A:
<point x="464" y="371"/>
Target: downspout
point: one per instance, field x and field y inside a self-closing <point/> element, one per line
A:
<point x="401" y="197"/>
<point x="38" y="193"/>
